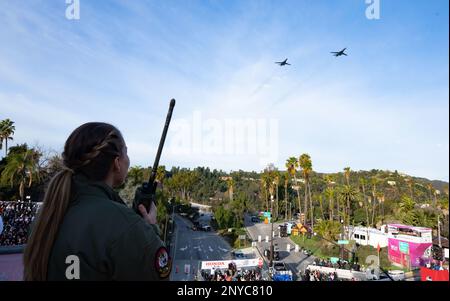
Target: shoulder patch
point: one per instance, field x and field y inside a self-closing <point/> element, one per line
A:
<point x="163" y="263"/>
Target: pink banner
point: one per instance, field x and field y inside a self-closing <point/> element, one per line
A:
<point x="408" y="253"/>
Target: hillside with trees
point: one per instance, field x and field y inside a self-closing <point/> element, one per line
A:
<point x="371" y="197"/>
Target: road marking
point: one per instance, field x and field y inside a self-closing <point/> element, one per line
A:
<point x="184" y="248"/>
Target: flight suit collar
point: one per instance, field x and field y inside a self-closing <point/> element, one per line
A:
<point x="83" y="186"/>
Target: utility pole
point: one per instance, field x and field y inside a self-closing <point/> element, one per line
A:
<point x="342" y="237"/>
<point x="290" y="211"/>
<point x="439" y="232"/>
<point x="271" y="241"/>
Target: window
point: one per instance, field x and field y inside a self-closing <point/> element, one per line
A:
<point x="363" y="237"/>
<point x="356" y="236"/>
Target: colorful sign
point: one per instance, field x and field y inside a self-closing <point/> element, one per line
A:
<point x="343" y="242"/>
<point x="223" y="264"/>
<point x="403" y="247"/>
<point x="334" y="260"/>
<point x="408" y="254"/>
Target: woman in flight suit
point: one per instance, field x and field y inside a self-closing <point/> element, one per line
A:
<point x="84" y="230"/>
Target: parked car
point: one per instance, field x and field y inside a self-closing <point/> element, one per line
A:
<point x="238" y="254"/>
<point x="255" y="219"/>
<point x="279" y="266"/>
<point x="397" y="275"/>
<point x="205" y="228"/>
<point x="276" y="254"/>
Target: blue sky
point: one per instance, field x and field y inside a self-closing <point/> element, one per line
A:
<point x="385" y="106"/>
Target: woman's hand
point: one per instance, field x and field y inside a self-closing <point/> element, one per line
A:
<point x="149" y="217"/>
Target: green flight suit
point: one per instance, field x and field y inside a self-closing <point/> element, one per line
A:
<point x="111" y="241"/>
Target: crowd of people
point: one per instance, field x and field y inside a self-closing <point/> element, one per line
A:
<point x="16" y="218"/>
<point x="309" y="275"/>
<point x="436" y="265"/>
<point x="340" y="264"/>
<point x="232" y="274"/>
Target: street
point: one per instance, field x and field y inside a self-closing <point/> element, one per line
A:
<point x="295" y="261"/>
<point x="191" y="247"/>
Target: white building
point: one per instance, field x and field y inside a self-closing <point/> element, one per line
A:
<point x="366" y="236"/>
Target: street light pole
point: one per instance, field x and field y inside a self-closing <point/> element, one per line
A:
<point x="271" y="221"/>
<point x="342" y="237"/>
<point x="439" y="232"/>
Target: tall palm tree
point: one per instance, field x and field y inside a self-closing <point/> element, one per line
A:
<point x="286" y="182"/>
<point x="292" y="165"/>
<point x="266" y="184"/>
<point x="7" y="129"/>
<point x="230" y="184"/>
<point x="347" y="196"/>
<point x="363" y="183"/>
<point x="21" y="169"/>
<point x="381" y="201"/>
<point x="321" y="206"/>
<point x="306" y="166"/>
<point x="374" y="182"/>
<point x="276" y="182"/>
<point x="347" y="171"/>
<point x="329" y="194"/>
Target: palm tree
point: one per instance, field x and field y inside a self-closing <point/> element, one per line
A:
<point x="286" y="182"/>
<point x="347" y="195"/>
<point x="406" y="211"/>
<point x="161" y="175"/>
<point x="380" y="198"/>
<point x="306" y="166"/>
<point x="7" y="129"/>
<point x="20" y="169"/>
<point x="230" y="184"/>
<point x="363" y="183"/>
<point x="347" y="172"/>
<point x="276" y="182"/>
<point x="321" y="206"/>
<point x="329" y="230"/>
<point x="265" y="183"/>
<point x="374" y="182"/>
<point x="291" y="165"/>
<point x="406" y="205"/>
<point x="329" y="194"/>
